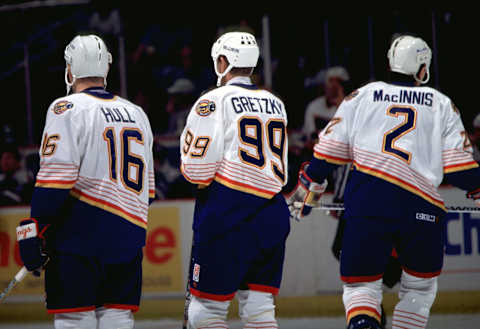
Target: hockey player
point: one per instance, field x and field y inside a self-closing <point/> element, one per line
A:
<point x="234" y="148"/>
<point x="403" y="139"/>
<point x="89" y="208"/>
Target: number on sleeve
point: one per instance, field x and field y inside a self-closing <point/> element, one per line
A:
<point x="409" y="115"/>
<point x="49" y="144"/>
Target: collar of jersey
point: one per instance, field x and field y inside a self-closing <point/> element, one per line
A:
<point x="98" y="92"/>
<point x="403" y="83"/>
<point x="243" y="82"/>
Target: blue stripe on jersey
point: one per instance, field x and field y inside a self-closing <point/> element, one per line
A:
<point x="319" y="169"/>
<point x="98" y="92"/>
<point x="47" y="203"/>
<point x="366" y="195"/>
<point x="467" y="180"/>
<point x="219" y="209"/>
<point x="246" y="86"/>
<point x="82" y="229"/>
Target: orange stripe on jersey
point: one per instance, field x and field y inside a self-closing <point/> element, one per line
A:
<point x="61" y="184"/>
<point x="244" y="187"/>
<point x="104" y="205"/>
<point x="195" y="181"/>
<point x="460" y="167"/>
<point x="331" y="159"/>
<point x="403" y="184"/>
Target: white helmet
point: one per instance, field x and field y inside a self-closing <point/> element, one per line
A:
<point x="88" y="57"/>
<point x="407" y="54"/>
<point x="240" y="49"/>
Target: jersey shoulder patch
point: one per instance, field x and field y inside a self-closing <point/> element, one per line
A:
<point x="205" y="107"/>
<point x="62" y="106"/>
<point x="352" y="95"/>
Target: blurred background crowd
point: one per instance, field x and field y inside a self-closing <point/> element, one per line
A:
<point x="161" y="61"/>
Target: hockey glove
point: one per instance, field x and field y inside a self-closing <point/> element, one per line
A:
<point x="305" y="196"/>
<point x="475" y="196"/>
<point x="31" y="241"/>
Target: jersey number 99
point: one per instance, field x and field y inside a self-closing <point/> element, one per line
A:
<point x="251" y="133"/>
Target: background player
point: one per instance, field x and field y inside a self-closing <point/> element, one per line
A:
<point x="403" y="140"/>
<point x="234" y="148"/>
<point x="89" y="208"/>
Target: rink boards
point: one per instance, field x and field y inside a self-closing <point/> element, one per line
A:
<point x="310" y="267"/>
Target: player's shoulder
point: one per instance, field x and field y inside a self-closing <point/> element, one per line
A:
<point x="65" y="105"/>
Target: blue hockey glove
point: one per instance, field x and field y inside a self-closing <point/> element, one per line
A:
<point x="305" y="196"/>
<point x="31" y="240"/>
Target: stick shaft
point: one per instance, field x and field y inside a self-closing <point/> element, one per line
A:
<point x="458" y="209"/>
<point x="18" y="278"/>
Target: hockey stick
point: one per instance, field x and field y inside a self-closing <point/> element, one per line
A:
<point x="459" y="209"/>
<point x="18" y="278"/>
<point x="188" y="294"/>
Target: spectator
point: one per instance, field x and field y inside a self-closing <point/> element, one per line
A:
<point x="106" y="19"/>
<point x="12" y="180"/>
<point x="180" y="101"/>
<point x="475" y="138"/>
<point x="321" y="109"/>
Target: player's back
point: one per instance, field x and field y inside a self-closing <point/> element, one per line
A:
<point x="405" y="136"/>
<point x="236" y="135"/>
<point x="99" y="145"/>
<point x="234" y="146"/>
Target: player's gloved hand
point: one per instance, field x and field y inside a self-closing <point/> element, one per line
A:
<point x="475" y="196"/>
<point x="306" y="195"/>
<point x="31" y="240"/>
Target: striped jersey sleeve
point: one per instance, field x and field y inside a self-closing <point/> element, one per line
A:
<point x="333" y="143"/>
<point x="457" y="152"/>
<point x="59" y="151"/>
<point x="201" y="142"/>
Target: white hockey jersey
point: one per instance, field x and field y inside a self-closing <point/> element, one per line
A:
<point x="99" y="146"/>
<point x="407" y="136"/>
<point x="237" y="136"/>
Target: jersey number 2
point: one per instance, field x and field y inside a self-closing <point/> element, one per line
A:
<point x="409" y="115"/>
<point x="129" y="160"/>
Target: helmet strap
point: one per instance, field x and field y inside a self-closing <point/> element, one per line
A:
<point x="425" y="79"/>
<point x="68" y="83"/>
<point x="221" y="75"/>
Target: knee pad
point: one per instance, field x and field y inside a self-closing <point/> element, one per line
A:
<point x="111" y="318"/>
<point x="77" y="320"/>
<point x="416" y="298"/>
<point x="363" y="298"/>
<point x="256" y="308"/>
<point x="206" y="313"/>
<point x="423" y="288"/>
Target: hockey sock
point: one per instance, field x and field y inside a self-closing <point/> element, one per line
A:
<point x="416" y="298"/>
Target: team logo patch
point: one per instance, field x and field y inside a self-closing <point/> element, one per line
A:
<point x="352" y="95"/>
<point x="196" y="273"/>
<point x="205" y="107"/>
<point x="62" y="106"/>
